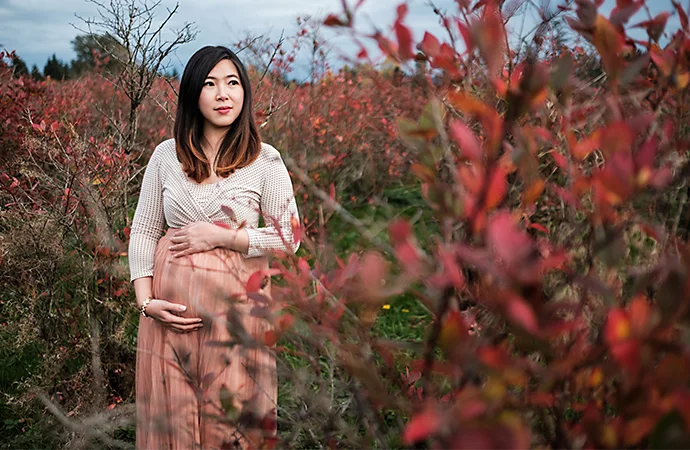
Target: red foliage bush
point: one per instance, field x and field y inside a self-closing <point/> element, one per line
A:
<point x="554" y="274"/>
<point x="541" y="182"/>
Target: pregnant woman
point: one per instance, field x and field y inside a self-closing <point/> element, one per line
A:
<point x="209" y="185"/>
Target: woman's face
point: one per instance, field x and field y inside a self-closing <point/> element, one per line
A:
<point x="222" y="95"/>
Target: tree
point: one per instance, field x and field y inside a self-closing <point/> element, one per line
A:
<point x="134" y="25"/>
<point x="35" y="73"/>
<point x="95" y="50"/>
<point x="19" y="67"/>
<point x="56" y="69"/>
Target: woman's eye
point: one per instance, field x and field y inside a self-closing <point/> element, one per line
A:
<point x="208" y="83"/>
<point x="234" y="83"/>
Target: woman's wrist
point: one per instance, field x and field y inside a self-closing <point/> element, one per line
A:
<point x="144" y="304"/>
<point x="226" y="238"/>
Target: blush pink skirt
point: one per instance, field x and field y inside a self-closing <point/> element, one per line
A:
<point x="215" y="387"/>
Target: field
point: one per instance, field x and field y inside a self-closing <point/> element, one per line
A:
<point x="493" y="247"/>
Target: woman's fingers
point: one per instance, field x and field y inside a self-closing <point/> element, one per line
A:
<point x="179" y="237"/>
<point x="177" y="320"/>
<point x="179" y="247"/>
<point x="185" y="328"/>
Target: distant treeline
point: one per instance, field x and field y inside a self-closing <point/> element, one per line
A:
<point x="93" y="52"/>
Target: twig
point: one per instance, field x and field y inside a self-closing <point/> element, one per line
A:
<point x="336" y="207"/>
<point x="80" y="428"/>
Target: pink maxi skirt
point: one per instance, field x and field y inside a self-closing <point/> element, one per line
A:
<point x="211" y="388"/>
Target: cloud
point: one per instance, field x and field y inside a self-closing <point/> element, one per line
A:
<point x="37" y="28"/>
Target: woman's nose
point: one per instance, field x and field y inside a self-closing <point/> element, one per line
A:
<point x="223" y="93"/>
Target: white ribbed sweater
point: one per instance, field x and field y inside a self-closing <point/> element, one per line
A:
<point x="169" y="197"/>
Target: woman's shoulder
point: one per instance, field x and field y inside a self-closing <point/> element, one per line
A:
<point x="267" y="150"/>
<point x="166" y="147"/>
<point x="165" y="152"/>
<point x="269" y="154"/>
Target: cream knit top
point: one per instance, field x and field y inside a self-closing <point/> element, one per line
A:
<point x="169" y="197"/>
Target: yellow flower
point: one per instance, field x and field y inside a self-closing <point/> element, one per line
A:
<point x="405" y="310"/>
<point x="386" y="306"/>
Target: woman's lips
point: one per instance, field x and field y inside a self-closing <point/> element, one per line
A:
<point x="224" y="109"/>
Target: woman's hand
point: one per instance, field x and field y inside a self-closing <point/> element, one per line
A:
<point x="194" y="238"/>
<point x="166" y="314"/>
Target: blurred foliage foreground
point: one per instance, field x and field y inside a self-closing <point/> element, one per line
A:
<point x="494" y="238"/>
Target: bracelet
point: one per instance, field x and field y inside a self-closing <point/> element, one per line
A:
<point x="144" y="305"/>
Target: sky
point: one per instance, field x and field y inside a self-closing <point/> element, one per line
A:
<point x="36" y="29"/>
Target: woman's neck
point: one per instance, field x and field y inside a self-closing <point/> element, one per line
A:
<point x="211" y="142"/>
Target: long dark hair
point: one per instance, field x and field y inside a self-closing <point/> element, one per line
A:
<point x="241" y="144"/>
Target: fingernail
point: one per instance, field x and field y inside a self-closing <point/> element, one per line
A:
<point x="170" y="248"/>
<point x="183" y="308"/>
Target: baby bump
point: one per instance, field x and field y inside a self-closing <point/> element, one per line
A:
<point x="205" y="281"/>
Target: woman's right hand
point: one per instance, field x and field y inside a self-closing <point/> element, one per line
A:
<point x="166" y="314"/>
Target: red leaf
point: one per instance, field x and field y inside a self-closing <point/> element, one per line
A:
<point x="532" y="192"/>
<point x="617" y="328"/>
<point x="303" y="266"/>
<point x="640" y="314"/>
<point x="627" y="354"/>
<point x="400" y="230"/>
<point x="259" y="279"/>
<point x="609" y="44"/>
<point x="401" y="12"/>
<point x="682" y="15"/>
<point x="586" y="146"/>
<point x="509" y="243"/>
<point x="644" y="157"/>
<point x="388" y="47"/>
<point x="228" y="212"/>
<point x="661" y="178"/>
<point x="430" y="45"/>
<point x="466" y="139"/>
<point x="333" y="21"/>
<point x="372" y="272"/>
<point x="466" y="36"/>
<point x="498" y="187"/>
<point x="296" y="230"/>
<point x="560" y="160"/>
<point x="270" y="338"/>
<point x="422" y="426"/>
<point x="619" y="136"/>
<point x="655" y="27"/>
<point x="285" y="322"/>
<point x="496" y="358"/>
<point x="624" y="11"/>
<point x="404" y="37"/>
<point x="453" y="332"/>
<point x="451" y="274"/>
<point x="408" y="256"/>
<point x="618" y="178"/>
<point x="541" y="399"/>
<point x="539" y="227"/>
<point x="521" y="313"/>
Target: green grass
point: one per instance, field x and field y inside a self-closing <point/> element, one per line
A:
<point x="403" y="317"/>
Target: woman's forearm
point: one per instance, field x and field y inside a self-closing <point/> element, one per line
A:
<point x="233" y="239"/>
<point x="143" y="287"/>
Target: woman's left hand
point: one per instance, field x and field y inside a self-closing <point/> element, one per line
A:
<point x="194" y="238"/>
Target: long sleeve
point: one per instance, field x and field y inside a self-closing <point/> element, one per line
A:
<point x="278" y="207"/>
<point x="149" y="221"/>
